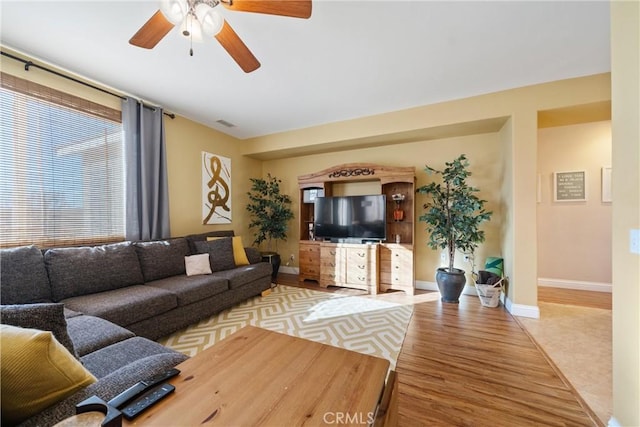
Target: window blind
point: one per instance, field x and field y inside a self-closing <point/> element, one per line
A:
<point x="61" y="168"/>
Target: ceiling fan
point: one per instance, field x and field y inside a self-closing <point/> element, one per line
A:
<point x="199" y="17"/>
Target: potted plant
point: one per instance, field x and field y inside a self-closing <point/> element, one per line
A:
<point x="270" y="211"/>
<point x="453" y="214"/>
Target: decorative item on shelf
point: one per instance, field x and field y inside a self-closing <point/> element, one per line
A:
<point x="453" y="215"/>
<point x="311" y="237"/>
<point x="398" y="213"/>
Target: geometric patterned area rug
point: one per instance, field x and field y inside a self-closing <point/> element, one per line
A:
<point x="363" y="324"/>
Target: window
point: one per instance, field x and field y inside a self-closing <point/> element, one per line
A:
<point x="61" y="168"/>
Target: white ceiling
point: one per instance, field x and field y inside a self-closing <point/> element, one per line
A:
<point x="350" y="59"/>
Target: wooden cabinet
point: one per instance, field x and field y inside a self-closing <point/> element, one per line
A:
<point x="309" y="260"/>
<point x="397" y="268"/>
<point x="384" y="266"/>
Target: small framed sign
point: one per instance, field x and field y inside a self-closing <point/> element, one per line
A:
<point x="570" y="186"/>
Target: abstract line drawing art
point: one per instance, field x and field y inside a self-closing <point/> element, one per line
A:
<point x="216" y="189"/>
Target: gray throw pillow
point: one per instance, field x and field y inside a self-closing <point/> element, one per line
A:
<point x="162" y="258"/>
<point x="45" y="317"/>
<point x="220" y="253"/>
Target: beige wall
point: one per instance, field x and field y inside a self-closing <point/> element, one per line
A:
<point x="185" y="142"/>
<point x="625" y="131"/>
<point x="574" y="238"/>
<point x="486" y="162"/>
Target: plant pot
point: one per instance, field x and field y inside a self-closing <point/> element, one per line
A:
<point x="275" y="260"/>
<point x="450" y="284"/>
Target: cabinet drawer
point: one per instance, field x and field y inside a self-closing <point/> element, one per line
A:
<point x="309" y="247"/>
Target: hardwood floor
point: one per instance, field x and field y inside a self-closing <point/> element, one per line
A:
<point x="469" y="365"/>
<point x="575" y="297"/>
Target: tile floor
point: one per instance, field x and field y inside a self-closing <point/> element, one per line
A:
<point x="578" y="340"/>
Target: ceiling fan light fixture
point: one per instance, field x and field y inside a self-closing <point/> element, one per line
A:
<point x="174" y="10"/>
<point x="191" y="29"/>
<point x="210" y="19"/>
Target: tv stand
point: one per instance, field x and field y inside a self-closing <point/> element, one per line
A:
<point x="389" y="263"/>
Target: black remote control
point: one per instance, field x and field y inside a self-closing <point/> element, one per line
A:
<point x="137" y="388"/>
<point x="133" y="409"/>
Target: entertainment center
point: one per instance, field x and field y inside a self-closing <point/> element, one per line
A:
<point x="358" y="241"/>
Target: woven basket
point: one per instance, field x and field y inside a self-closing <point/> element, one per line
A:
<point x="489" y="294"/>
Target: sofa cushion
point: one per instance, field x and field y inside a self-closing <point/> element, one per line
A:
<point x="108" y="387"/>
<point x="240" y="276"/>
<point x="220" y="253"/>
<point x="37" y="371"/>
<point x="24" y="277"/>
<point x="202" y="237"/>
<point x="190" y="289"/>
<point x="197" y="264"/>
<point x="90" y="333"/>
<point x="109" y="359"/>
<point x="125" y="306"/>
<point x="87" y="270"/>
<point x="162" y="258"/>
<point x="45" y="317"/>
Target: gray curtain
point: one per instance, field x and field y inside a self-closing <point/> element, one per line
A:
<point x="147" y="190"/>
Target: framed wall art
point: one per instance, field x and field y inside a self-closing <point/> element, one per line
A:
<point x="570" y="186"/>
<point x="216" y="189"/>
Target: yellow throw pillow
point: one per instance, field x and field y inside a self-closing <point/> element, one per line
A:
<point x="239" y="254"/>
<point x="37" y="371"/>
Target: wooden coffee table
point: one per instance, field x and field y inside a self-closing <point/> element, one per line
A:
<point x="258" y="377"/>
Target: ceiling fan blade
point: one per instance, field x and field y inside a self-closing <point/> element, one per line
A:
<point x="237" y="49"/>
<point x="293" y="8"/>
<point x="152" y="31"/>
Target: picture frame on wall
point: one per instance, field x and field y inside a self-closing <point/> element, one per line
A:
<point x="606" y="184"/>
<point x="570" y="186"/>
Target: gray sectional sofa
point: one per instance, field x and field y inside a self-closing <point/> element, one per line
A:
<point x="114" y="300"/>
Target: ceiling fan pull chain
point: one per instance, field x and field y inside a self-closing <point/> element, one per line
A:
<point x="191" y="39"/>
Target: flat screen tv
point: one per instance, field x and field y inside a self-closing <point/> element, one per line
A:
<point x="350" y="217"/>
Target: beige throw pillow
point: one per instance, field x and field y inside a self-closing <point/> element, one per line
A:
<point x="197" y="264"/>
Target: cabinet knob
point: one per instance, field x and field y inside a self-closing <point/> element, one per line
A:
<point x="361" y="255"/>
<point x="361" y="267"/>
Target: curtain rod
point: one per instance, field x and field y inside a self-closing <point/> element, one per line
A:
<point x="29" y="64"/>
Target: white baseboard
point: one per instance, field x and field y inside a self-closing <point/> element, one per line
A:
<point x="289" y="270"/>
<point x="522" y="310"/>
<point x="575" y="284"/>
<point x="433" y="286"/>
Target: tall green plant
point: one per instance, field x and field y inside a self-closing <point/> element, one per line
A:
<point x="453" y="212"/>
<point x="269" y="210"/>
